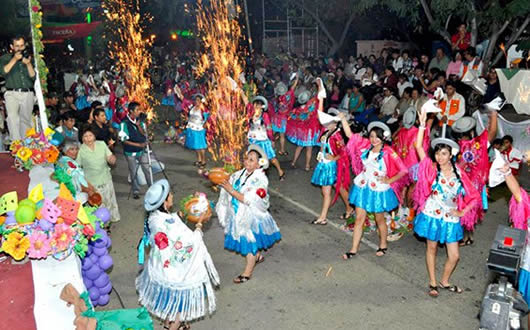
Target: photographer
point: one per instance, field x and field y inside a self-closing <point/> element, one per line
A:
<point x="19" y="74"/>
<point x="132" y="135"/>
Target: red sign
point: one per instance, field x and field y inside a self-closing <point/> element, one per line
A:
<point x="69" y="31"/>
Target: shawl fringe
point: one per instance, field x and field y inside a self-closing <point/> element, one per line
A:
<point x="520" y="212"/>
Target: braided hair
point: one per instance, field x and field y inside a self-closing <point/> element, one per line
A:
<point x="379" y="132"/>
<point x="436" y="149"/>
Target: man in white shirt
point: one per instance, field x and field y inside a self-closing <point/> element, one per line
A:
<point x="513" y="156"/>
<point x="453" y="105"/>
<point x="403" y="83"/>
<point x="474" y="63"/>
<point x="397" y="61"/>
<point x="388" y="106"/>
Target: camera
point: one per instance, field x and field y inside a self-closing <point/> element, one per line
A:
<point x="26" y="53"/>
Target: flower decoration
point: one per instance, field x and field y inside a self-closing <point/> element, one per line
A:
<point x="477" y="145"/>
<point x="62" y="236"/>
<point x="40" y="245"/>
<point x="38" y="157"/>
<point x="24" y="153"/>
<point x="51" y="154"/>
<point x="161" y="240"/>
<point x="178" y="245"/>
<point x="16" y="245"/>
<point x="88" y="230"/>
<point x="15" y="146"/>
<point x="261" y="192"/>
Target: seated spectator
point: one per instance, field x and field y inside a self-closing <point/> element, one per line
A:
<point x="417" y="99"/>
<point x="52" y="104"/>
<point x="453" y="105"/>
<point x="382" y="62"/>
<point x="345" y="103"/>
<point x="418" y="78"/>
<point x="455" y="69"/>
<point x="357" y="102"/>
<point x="369" y="77"/>
<point x="403" y="83"/>
<point x="334" y="99"/>
<point x="424" y="62"/>
<point x="408" y="66"/>
<point x="405" y="101"/>
<point x="493" y="88"/>
<point x="359" y="69"/>
<point x="461" y="40"/>
<point x="440" y="61"/>
<point x="388" y="105"/>
<point x="397" y="61"/>
<point x="68" y="101"/>
<point x="473" y="62"/>
<point x="390" y="79"/>
<point x="512" y="155"/>
<point x="67" y="128"/>
<point x="101" y="128"/>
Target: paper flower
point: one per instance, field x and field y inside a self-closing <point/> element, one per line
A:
<point x="38" y="157"/>
<point x="16" y="245"/>
<point x="62" y="236"/>
<point x="40" y="245"/>
<point x="15" y="146"/>
<point x="24" y="153"/>
<point x="161" y="240"/>
<point x="35" y="9"/>
<point x="88" y="230"/>
<point x="51" y="154"/>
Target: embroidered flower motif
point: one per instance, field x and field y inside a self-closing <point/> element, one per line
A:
<point x="438" y="211"/>
<point x="435" y="192"/>
<point x="376" y="173"/>
<point x="452" y="183"/>
<point x="372" y="184"/>
<point x="443" y="181"/>
<point x="261" y="192"/>
<point x="72" y="165"/>
<point x="468" y="156"/>
<point x="178" y="245"/>
<point x="477" y="145"/>
<point x="166" y="264"/>
<point x="363" y="182"/>
<point x="189" y="249"/>
<point x="161" y="240"/>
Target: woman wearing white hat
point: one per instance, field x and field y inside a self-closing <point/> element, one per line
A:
<point x="443" y="194"/>
<point x="474" y="160"/>
<point x="176" y="283"/>
<point x="195" y="130"/>
<point x="284" y="107"/>
<point x="378" y="170"/>
<point x="242" y="210"/>
<point x="333" y="166"/>
<point x="260" y="132"/>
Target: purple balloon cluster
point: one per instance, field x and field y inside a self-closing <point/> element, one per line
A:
<point x="97" y="260"/>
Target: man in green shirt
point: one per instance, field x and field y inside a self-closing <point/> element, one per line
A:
<point x="19" y="74"/>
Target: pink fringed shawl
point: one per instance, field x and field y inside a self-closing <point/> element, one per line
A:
<point x="520" y="211"/>
<point x="394" y="166"/>
<point x="336" y="143"/>
<point x="427" y="173"/>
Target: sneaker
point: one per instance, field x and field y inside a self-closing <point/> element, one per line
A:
<point x="136" y="195"/>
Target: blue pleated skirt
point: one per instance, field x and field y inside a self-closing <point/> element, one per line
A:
<point x="325" y="174"/>
<point x="266" y="145"/>
<point x="244" y="247"/>
<point x="373" y="201"/>
<point x="195" y="140"/>
<point x="168" y="100"/>
<point x="524" y="284"/>
<point x="309" y="141"/>
<point x="279" y="127"/>
<point x="437" y="229"/>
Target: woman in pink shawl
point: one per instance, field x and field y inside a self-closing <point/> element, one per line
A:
<point x="378" y="169"/>
<point x="284" y="106"/>
<point x="443" y="195"/>
<point x="474" y="160"/>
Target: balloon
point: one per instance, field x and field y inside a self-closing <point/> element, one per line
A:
<point x="102" y="280"/>
<point x="100" y="251"/>
<point x="94" y="272"/>
<point x="88" y="283"/>
<point x="100" y="243"/>
<point x="89" y="252"/>
<point x="87" y="263"/>
<point x="27" y="202"/>
<point x="94" y="258"/>
<point x="105" y="262"/>
<point x="106" y="289"/>
<point x="45" y="225"/>
<point x="103" y="300"/>
<point x="94" y="293"/>
<point x="103" y="214"/>
<point x="25" y="214"/>
<point x="109" y="242"/>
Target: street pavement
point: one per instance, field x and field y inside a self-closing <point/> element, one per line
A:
<point x="304" y="283"/>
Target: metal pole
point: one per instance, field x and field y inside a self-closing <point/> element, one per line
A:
<point x="263" y="18"/>
<point x="248" y="26"/>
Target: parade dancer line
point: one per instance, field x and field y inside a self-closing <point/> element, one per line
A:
<point x="242" y="210"/>
<point x="378" y="169"/>
<point x="443" y="195"/>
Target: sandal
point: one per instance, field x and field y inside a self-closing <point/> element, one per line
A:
<point x="433" y="291"/>
<point x="282" y="177"/>
<point x="202" y="165"/>
<point x="348" y="255"/>
<point x="293" y="165"/>
<point x="260" y="259"/>
<point x="319" y="222"/>
<point x="197" y="163"/>
<point x="346" y="215"/>
<point x="184" y="326"/>
<point x="382" y="251"/>
<point x="308" y="168"/>
<point x="241" y="279"/>
<point x="451" y="288"/>
<point x="467" y="242"/>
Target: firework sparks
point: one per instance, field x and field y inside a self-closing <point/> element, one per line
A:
<point x="131" y="51"/>
<point x="220" y="35"/>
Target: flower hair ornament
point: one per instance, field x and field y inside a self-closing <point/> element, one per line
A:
<point x="384" y="127"/>
<point x="263" y="161"/>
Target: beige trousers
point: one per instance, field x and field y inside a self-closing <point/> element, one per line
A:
<point x="19" y="107"/>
